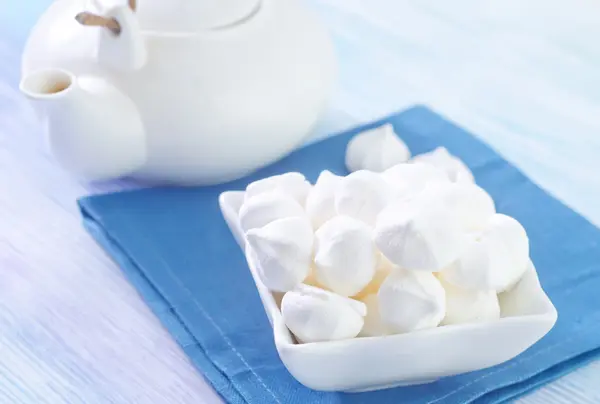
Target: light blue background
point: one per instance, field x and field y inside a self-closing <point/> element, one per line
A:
<point x="525" y="76"/>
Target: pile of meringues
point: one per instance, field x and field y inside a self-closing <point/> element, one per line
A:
<point x="400" y="244"/>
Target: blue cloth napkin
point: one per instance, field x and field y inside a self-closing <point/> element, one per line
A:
<point x="175" y="247"/>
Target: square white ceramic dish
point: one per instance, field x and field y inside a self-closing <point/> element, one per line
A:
<point x="372" y="363"/>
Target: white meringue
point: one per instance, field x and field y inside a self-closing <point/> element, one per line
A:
<point x="419" y="236"/>
<point x="320" y="202"/>
<point x="292" y="184"/>
<point x="407" y="180"/>
<point x="311" y="279"/>
<point x="376" y="150"/>
<point x="264" y="208"/>
<point x="517" y="300"/>
<point x="373" y="325"/>
<point x="345" y="257"/>
<point x="411" y="300"/>
<point x="361" y="195"/>
<point x="469" y="202"/>
<point x="282" y="252"/>
<point x="316" y="315"/>
<point x="455" y="169"/>
<point x="383" y="269"/>
<point x="469" y="306"/>
<point x="495" y="259"/>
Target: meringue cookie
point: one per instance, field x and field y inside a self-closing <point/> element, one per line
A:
<point x="292" y="184"/>
<point x="376" y="150"/>
<point x="469" y="202"/>
<point x="419" y="236"/>
<point x="383" y="269"/>
<point x="264" y="208"/>
<point x="495" y="259"/>
<point x="345" y="257"/>
<point x="282" y="252"/>
<point x="361" y="195"/>
<point x="454" y="167"/>
<point x="320" y="202"/>
<point x="316" y="315"/>
<point x="411" y="300"/>
<point x="469" y="306"/>
<point x="373" y="325"/>
<point x="516" y="301"/>
<point x="311" y="279"/>
<point x="409" y="179"/>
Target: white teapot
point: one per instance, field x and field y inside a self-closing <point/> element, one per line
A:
<point x="177" y="91"/>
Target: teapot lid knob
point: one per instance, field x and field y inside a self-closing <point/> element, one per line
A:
<point x="95" y="20"/>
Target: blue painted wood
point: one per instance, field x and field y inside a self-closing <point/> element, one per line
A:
<point x="525" y="76"/>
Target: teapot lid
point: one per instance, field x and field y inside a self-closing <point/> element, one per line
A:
<point x="185" y="16"/>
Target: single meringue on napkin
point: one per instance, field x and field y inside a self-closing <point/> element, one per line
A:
<point x="316" y="315"/>
<point x="455" y="169"/>
<point x="408" y="179"/>
<point x="345" y="257"/>
<point x="419" y="234"/>
<point x="376" y="150"/>
<point x="292" y="184"/>
<point x="495" y="259"/>
<point x="373" y="326"/>
<point x="469" y="202"/>
<point x="469" y="306"/>
<point x="264" y="208"/>
<point x="361" y="195"/>
<point x="320" y="202"/>
<point x="282" y="252"/>
<point x="411" y="300"/>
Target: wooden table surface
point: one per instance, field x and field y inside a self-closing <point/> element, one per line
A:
<point x="523" y="75"/>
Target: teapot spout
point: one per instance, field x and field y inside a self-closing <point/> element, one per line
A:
<point x="93" y="129"/>
<point x="49" y="84"/>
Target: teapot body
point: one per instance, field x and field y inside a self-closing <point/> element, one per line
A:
<point x="215" y="104"/>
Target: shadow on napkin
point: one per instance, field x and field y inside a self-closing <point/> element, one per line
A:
<point x="176" y="249"/>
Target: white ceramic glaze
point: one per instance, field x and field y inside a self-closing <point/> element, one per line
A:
<point x="237" y="89"/>
<point x="128" y="50"/>
<point x="412" y="358"/>
<point x="81" y="136"/>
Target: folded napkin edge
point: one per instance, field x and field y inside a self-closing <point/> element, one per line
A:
<point x="170" y="320"/>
